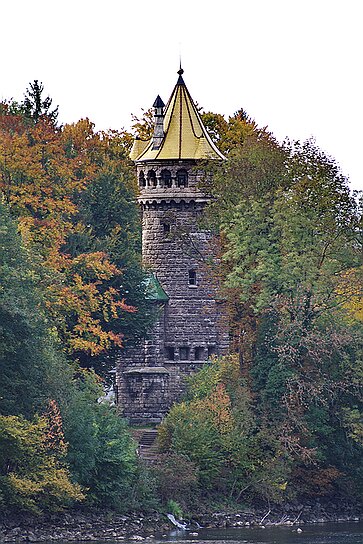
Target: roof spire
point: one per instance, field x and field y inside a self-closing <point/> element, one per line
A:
<point x="180" y="72"/>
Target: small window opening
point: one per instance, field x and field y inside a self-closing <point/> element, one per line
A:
<point x="184" y="353"/>
<point x="166" y="228"/>
<point x="182" y="178"/>
<point x="142" y="180"/>
<point x="151" y="176"/>
<point x="166" y="178"/>
<point x="211" y="351"/>
<point x="170" y="353"/>
<point x="199" y="353"/>
<point x="192" y="277"/>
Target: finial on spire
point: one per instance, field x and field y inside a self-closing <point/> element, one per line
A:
<point x="180" y="72"/>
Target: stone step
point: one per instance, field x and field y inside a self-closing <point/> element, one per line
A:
<point x="148" y="437"/>
<point x="147" y="448"/>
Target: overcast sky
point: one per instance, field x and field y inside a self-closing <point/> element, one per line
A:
<point x="295" y="66"/>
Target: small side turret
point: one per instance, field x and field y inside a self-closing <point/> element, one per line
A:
<point x="159" y="123"/>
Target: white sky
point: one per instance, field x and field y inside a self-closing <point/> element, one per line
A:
<point x="293" y="65"/>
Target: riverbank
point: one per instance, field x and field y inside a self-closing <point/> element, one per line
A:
<point x="99" y="525"/>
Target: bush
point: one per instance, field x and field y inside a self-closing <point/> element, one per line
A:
<point x="102" y="453"/>
<point x="176" y="479"/>
<point x="32" y="476"/>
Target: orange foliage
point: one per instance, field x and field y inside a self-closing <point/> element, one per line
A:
<point x="316" y="481"/>
<point x="43" y="171"/>
<point x="219" y="404"/>
<point x="54" y="437"/>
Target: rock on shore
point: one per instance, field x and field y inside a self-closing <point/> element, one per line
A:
<point x="94" y="525"/>
<point x="82" y="526"/>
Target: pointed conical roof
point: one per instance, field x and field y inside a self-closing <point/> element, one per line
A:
<point x="158" y="102"/>
<point x="185" y="136"/>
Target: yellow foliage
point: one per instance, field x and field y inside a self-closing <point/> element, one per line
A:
<point x="33" y="474"/>
<point x="350" y="288"/>
<point x="219" y="404"/>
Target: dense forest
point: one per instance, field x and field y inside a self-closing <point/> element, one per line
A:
<point x="280" y="418"/>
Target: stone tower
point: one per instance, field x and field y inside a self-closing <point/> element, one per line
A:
<point x="191" y="326"/>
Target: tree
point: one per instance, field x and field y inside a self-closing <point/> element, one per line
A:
<point x="108" y="221"/>
<point x="33" y="475"/>
<point x="35" y="106"/>
<point x="44" y="173"/>
<point x="28" y="344"/>
<point x="101" y="454"/>
<point x="215" y="430"/>
<point x="287" y="247"/>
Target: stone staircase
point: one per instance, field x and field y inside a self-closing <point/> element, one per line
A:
<point x="147" y="448"/>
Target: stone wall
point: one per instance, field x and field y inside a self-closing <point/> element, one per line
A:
<point x="192" y="324"/>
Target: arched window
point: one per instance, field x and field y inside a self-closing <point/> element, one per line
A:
<point x="151" y="178"/>
<point x="142" y="180"/>
<point x="166" y="178"/>
<point x="182" y="178"/>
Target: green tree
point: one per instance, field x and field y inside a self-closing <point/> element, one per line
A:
<point x="101" y="454"/>
<point x="97" y="445"/>
<point x="286" y="247"/>
<point x="28" y="350"/>
<point x="35" y="106"/>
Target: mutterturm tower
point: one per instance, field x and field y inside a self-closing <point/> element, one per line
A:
<point x="175" y="248"/>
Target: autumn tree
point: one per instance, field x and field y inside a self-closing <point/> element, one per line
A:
<point x="33" y="477"/>
<point x="48" y="176"/>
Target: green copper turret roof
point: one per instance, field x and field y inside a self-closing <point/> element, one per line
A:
<point x="154" y="290"/>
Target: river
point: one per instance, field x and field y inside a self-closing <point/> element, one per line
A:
<point x="328" y="533"/>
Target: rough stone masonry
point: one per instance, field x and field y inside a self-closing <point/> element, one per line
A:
<point x="191" y="326"/>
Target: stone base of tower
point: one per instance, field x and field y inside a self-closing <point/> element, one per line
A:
<point x="145" y="394"/>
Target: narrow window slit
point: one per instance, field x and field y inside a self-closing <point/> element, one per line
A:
<point x="192" y="277"/>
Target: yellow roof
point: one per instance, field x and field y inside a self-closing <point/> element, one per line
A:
<point x="138" y="146"/>
<point x="185" y="136"/>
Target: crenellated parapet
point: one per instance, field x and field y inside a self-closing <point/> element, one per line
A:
<point x="172" y="181"/>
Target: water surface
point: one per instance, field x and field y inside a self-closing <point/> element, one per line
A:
<point x="328" y="533"/>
